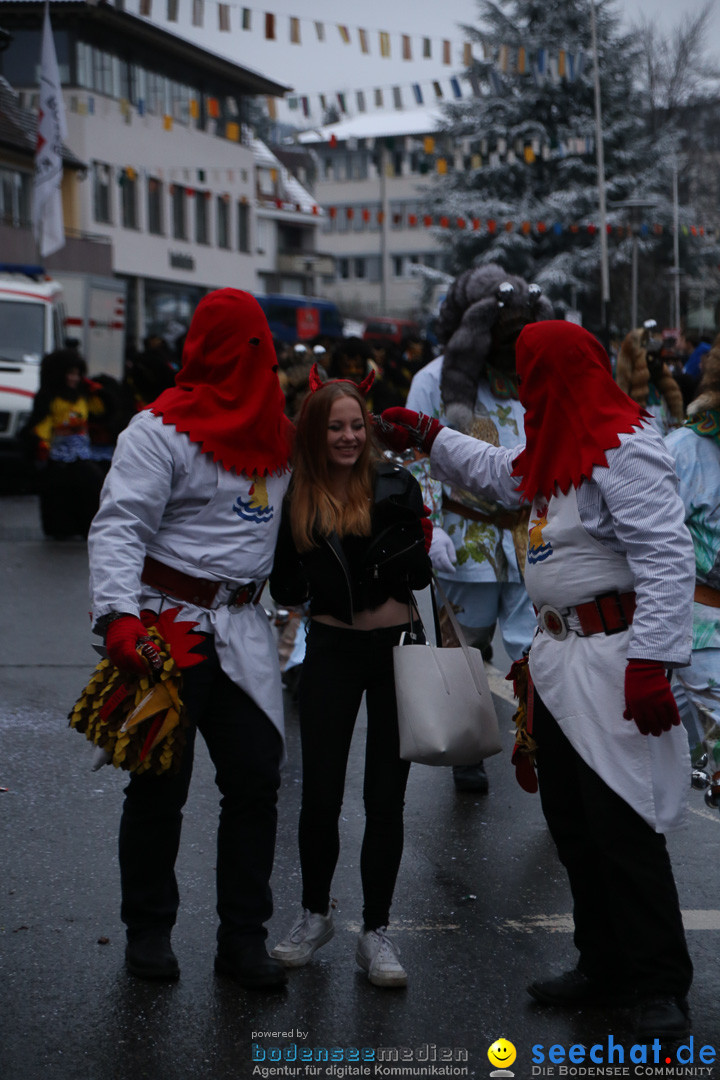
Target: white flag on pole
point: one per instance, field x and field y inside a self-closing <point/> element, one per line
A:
<point x="52" y="130"/>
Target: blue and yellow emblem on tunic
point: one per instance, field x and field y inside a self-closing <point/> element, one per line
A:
<point x="538" y="549"/>
<point x="257" y="507"/>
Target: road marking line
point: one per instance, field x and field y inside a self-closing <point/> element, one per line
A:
<point x="405" y="925"/>
<point x="563" y="924"/>
<point x="705" y="813"/>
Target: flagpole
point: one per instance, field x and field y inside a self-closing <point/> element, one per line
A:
<point x="600" y="154"/>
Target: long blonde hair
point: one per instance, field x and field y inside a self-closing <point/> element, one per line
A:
<point x="313" y="508"/>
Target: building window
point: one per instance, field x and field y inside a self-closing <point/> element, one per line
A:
<point x="102" y="208"/>
<point x="398" y="266"/>
<point x="155" y="93"/>
<point x="15" y="190"/>
<point x="202" y="223"/>
<point x="223" y="221"/>
<point x="179" y="211"/>
<point x="84" y="65"/>
<point x="360" y="268"/>
<point x="374" y="267"/>
<point x="155" y="206"/>
<point x="243" y="227"/>
<point x="343" y="269"/>
<point x="102" y="72"/>
<point x="128" y="190"/>
<point x="357" y="165"/>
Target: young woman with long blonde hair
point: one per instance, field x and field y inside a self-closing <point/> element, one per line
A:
<point x="352" y="545"/>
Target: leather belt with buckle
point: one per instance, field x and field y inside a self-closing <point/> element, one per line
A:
<point x="608" y="613"/>
<point x="200" y="591"/>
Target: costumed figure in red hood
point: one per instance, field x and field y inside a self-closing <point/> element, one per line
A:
<point x="188" y="520"/>
<point x="610" y="571"/>
<point x="479" y="543"/>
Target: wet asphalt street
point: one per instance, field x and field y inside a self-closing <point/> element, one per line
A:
<point x="481" y="905"/>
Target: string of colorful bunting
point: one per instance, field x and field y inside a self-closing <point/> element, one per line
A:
<point x="493" y="227"/>
<point x="299" y="29"/>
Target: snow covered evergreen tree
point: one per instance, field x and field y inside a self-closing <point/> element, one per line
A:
<point x="525" y="158"/>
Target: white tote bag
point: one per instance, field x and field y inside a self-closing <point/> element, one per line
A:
<point x="446" y="714"/>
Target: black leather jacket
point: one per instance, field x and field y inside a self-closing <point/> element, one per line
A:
<point x="386" y="564"/>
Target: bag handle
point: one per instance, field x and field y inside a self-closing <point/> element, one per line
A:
<point x="459" y="633"/>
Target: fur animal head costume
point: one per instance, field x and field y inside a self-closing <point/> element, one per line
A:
<point x="479" y="323"/>
<point x="639" y="363"/>
<point x="708" y="391"/>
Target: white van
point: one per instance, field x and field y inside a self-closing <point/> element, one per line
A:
<point x="32" y="323"/>
<point x="37" y="315"/>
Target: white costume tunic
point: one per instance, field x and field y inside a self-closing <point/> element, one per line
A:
<point x="629" y="535"/>
<point x="165" y="498"/>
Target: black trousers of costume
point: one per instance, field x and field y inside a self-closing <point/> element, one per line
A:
<point x="628" y="927"/>
<point x="69" y="497"/>
<point x="245" y="749"/>
<point x="339" y="665"/>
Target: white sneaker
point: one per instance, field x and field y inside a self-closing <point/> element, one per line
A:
<point x="308" y="934"/>
<point x="377" y="955"/>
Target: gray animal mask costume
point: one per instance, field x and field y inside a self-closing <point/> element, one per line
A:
<point x="479" y="323"/>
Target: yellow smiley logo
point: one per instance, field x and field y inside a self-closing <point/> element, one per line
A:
<point x="502" y="1053"/>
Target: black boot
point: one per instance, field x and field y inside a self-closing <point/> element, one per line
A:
<point x="471" y="778"/>
<point x="149" y="955"/>
<point x="662" y="1017"/>
<point x="246" y="960"/>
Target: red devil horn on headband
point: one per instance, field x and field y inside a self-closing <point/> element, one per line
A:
<point x="314" y="379"/>
<point x="364" y="386"/>
<point x="315" y="382"/>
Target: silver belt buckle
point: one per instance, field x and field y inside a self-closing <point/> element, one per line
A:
<point x="553" y="622"/>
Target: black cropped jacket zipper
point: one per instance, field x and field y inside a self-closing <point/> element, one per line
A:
<point x="393" y="562"/>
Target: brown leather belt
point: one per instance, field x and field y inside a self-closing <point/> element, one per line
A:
<point x="504" y="519"/>
<point x="200" y="591"/>
<point x="609" y="613"/>
<point x="705" y="594"/>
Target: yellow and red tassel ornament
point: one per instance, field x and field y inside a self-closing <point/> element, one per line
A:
<point x="139" y="721"/>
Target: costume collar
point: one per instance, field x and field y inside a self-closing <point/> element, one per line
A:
<point x="706" y="423"/>
<point x="502" y="384"/>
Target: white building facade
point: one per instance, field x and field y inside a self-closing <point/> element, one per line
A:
<point x="171" y="184"/>
<point x="373" y="173"/>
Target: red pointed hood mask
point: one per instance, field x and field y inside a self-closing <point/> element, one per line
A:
<point x="227" y="395"/>
<point x="574" y="409"/>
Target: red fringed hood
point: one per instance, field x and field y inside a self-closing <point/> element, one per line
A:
<point x="574" y="410"/>
<point x="227" y="395"/>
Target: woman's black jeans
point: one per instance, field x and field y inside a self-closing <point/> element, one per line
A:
<point x="339" y="665"/>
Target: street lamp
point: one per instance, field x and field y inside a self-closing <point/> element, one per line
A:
<point x="635" y="209"/>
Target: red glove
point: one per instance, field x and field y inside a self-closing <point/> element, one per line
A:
<point x="427" y="528"/>
<point x="129" y="647"/>
<point x="401" y="429"/>
<point x="649" y="699"/>
<point x="42" y="450"/>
